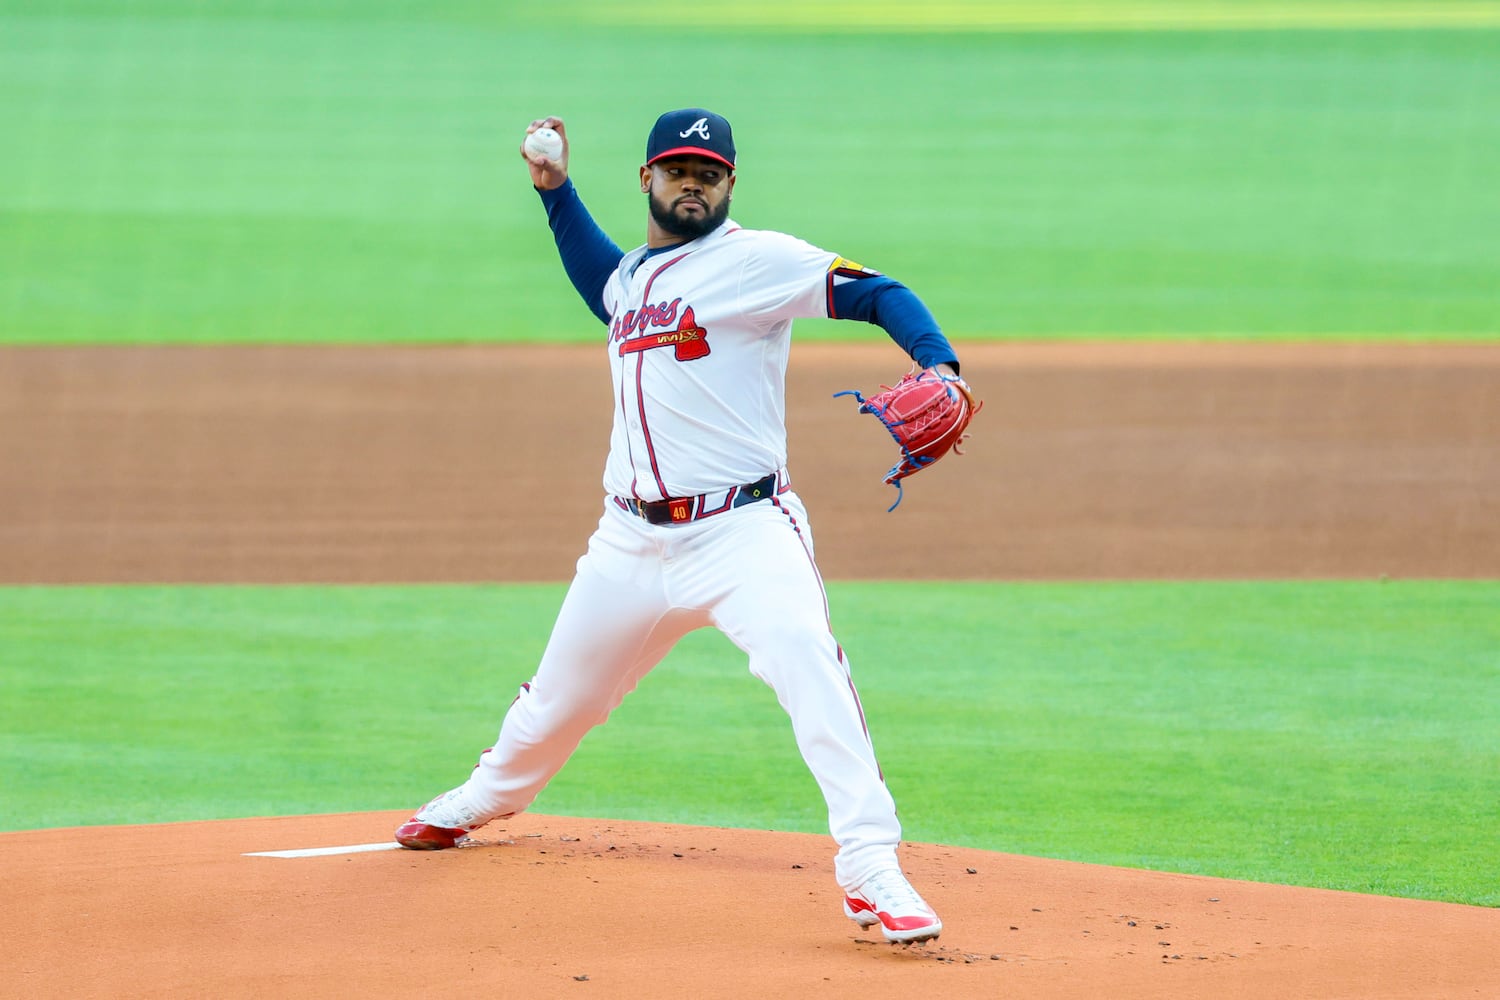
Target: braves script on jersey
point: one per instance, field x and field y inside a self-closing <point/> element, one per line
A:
<point x="699" y="339"/>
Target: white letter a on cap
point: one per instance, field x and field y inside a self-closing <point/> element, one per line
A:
<point x="700" y="126"/>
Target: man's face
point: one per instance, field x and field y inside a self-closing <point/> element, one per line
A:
<point x="689" y="195"/>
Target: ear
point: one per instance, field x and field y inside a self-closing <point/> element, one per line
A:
<point x="645" y="180"/>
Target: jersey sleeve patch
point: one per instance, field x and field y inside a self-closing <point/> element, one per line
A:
<point x="841" y="272"/>
<point x="843" y="267"/>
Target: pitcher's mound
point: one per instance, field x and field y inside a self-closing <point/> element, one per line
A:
<point x="545" y="906"/>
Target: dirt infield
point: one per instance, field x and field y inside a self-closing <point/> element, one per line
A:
<point x="482" y="463"/>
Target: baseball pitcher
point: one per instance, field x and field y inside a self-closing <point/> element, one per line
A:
<point x="700" y="524"/>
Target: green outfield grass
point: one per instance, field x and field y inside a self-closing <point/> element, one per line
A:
<point x="1344" y="735"/>
<point x="335" y="171"/>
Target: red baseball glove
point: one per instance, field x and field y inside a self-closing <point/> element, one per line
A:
<point x="927" y="413"/>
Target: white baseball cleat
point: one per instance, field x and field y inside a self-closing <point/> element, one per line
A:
<point x="887" y="899"/>
<point x="442" y="823"/>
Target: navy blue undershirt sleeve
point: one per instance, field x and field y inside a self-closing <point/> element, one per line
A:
<point x="896" y="309"/>
<point x="589" y="256"/>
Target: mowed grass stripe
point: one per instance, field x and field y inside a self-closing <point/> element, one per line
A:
<point x="852" y="16"/>
<point x="232" y="180"/>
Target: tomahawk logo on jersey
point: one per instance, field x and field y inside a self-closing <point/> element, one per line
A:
<point x="689" y="339"/>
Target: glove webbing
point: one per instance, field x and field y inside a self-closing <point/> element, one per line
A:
<point x="865" y="406"/>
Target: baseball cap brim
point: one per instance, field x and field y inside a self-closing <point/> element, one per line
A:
<point x="690" y="151"/>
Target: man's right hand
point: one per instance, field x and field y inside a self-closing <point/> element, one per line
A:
<point x="547" y="174"/>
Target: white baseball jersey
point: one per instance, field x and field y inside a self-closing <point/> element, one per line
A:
<point x="698" y="344"/>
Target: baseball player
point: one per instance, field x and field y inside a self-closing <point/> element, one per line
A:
<point x="701" y="526"/>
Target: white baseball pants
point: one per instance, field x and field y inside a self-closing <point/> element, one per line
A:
<point x="749" y="572"/>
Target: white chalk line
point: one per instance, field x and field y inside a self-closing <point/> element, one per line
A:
<point x="318" y="852"/>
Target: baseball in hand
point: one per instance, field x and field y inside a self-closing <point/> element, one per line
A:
<point x="545" y="142"/>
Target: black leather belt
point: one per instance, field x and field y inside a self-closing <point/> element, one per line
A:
<point x="676" y="510"/>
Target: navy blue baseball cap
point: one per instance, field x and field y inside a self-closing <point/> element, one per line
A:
<point x="691" y="132"/>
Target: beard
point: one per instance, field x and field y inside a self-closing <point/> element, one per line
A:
<point x="689" y="227"/>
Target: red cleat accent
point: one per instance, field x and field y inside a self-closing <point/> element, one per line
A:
<point x="418" y="836"/>
<point x="887" y="899"/>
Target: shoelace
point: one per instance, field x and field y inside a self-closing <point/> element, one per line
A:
<point x="445" y="811"/>
<point x="890" y="891"/>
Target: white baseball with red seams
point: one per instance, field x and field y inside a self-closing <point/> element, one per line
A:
<point x="698" y="342"/>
